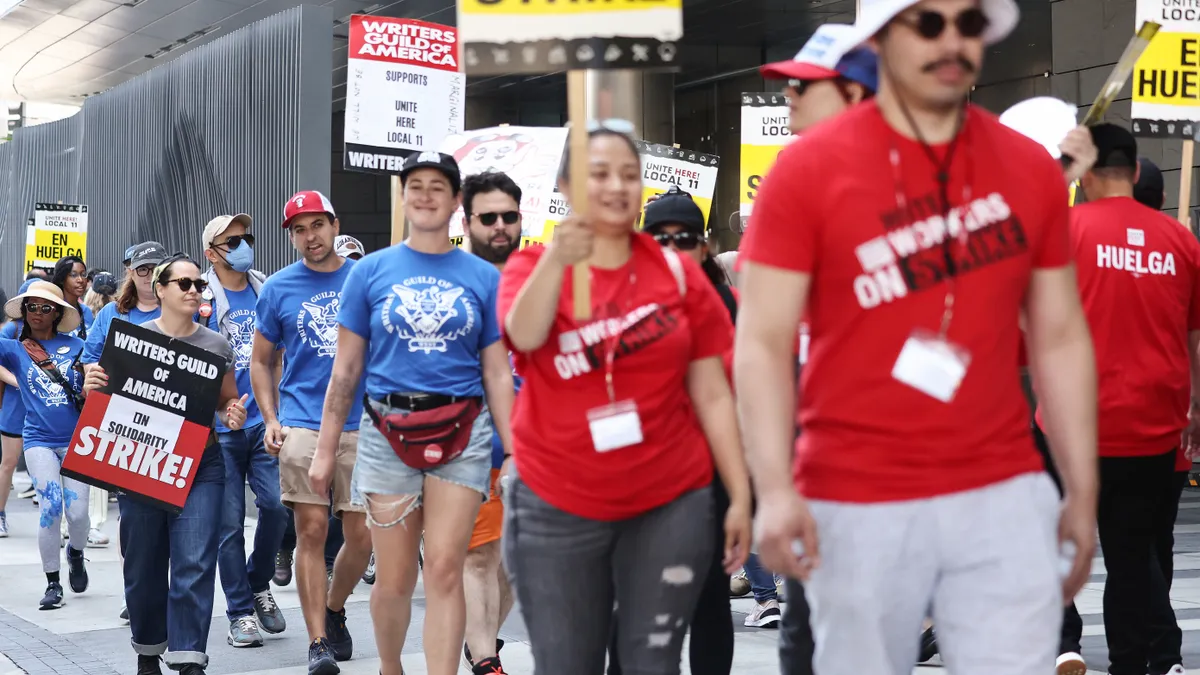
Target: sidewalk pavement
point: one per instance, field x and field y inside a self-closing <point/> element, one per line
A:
<point x="86" y="636"/>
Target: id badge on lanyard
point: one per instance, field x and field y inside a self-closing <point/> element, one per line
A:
<point x="618" y="424"/>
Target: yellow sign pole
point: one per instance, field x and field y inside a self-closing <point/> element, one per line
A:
<point x="1185" y="183"/>
<point x="398" y="231"/>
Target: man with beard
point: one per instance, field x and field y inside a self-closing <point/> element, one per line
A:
<point x="492" y="208"/>
<point x="297" y="311"/>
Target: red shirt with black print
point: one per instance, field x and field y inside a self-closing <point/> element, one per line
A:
<point x="655" y="332"/>
<point x="857" y="206"/>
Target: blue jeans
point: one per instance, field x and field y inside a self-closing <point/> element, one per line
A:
<point x="762" y="582"/>
<point x="171" y="567"/>
<point x="246" y="458"/>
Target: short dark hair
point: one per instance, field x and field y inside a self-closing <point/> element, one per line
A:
<point x="488" y="181"/>
<point x="564" y="173"/>
<point x="36" y="273"/>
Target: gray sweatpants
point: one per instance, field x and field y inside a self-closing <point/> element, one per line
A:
<point x="568" y="571"/>
<point x="986" y="561"/>
<point x="57" y="496"/>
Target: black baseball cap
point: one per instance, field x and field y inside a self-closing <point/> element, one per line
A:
<point x="147" y="253"/>
<point x="673" y="207"/>
<point x="1149" y="187"/>
<point x="433" y="160"/>
<point x="104" y="283"/>
<point x="1115" y="147"/>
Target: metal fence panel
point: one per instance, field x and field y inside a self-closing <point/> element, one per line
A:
<point x="237" y="125"/>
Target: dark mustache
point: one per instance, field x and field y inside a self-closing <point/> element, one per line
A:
<point x="959" y="60"/>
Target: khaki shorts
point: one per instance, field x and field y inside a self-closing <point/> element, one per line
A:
<point x="296" y="457"/>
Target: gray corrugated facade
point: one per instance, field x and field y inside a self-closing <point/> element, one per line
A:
<point x="235" y="126"/>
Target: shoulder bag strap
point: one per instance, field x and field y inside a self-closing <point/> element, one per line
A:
<point x="41" y="359"/>
<point x="676" y="266"/>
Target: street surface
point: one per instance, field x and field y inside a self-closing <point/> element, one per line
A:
<point x="86" y="636"/>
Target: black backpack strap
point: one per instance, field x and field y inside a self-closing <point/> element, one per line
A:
<point x="726" y="294"/>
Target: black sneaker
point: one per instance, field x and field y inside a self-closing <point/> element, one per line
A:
<point x="489" y="666"/>
<point x="53" y="599"/>
<point x="929" y="647"/>
<point x="283" y="568"/>
<point x="320" y="659"/>
<point x="270" y="618"/>
<point x="191" y="669"/>
<point x="467" y="652"/>
<point x="76" y="571"/>
<point x="338" y="635"/>
<point x="149" y="665"/>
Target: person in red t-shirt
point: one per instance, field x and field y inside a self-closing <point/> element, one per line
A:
<point x="915" y="229"/>
<point x="1139" y="278"/>
<point x="615" y="432"/>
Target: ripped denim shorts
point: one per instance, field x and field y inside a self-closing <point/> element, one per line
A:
<point x="378" y="471"/>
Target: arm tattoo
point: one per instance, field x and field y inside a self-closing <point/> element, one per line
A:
<point x="338" y="398"/>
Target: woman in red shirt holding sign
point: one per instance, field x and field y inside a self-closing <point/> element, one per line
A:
<point x="615" y="433"/>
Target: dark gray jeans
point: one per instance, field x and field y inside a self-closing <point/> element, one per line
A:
<point x="568" y="571"/>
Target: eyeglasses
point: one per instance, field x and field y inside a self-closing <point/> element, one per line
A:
<point x="489" y="219"/>
<point x="38" y="308"/>
<point x="930" y="25"/>
<point x="236" y="241"/>
<point x="800" y="86"/>
<point x="684" y="241"/>
<point x="76" y="275"/>
<point x="186" y="284"/>
<point x="612" y="124"/>
<point x="144" y="270"/>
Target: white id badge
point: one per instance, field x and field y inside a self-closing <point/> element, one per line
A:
<point x="931" y="365"/>
<point x="615" y="426"/>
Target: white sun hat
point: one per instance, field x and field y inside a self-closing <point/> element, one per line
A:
<point x="44" y="290"/>
<point x="873" y="15"/>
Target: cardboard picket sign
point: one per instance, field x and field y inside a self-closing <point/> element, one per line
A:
<point x="144" y="433"/>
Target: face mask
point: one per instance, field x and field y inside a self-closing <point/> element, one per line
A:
<point x="241" y="259"/>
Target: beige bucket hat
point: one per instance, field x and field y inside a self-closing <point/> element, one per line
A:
<point x="44" y="290"/>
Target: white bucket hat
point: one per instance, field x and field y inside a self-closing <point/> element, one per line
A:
<point x="873" y="15"/>
<point x="44" y="290"/>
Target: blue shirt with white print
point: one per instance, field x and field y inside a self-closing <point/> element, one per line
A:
<point x="240" y="322"/>
<point x="85" y="321"/>
<point x="298" y="309"/>
<point x="12" y="410"/>
<point x="426" y="318"/>
<point x="98" y="331"/>
<point x="50" y="414"/>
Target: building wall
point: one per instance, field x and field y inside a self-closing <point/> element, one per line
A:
<point x="237" y="125"/>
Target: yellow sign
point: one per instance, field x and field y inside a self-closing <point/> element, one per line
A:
<point x="560" y="7"/>
<point x="764" y="134"/>
<point x="1169" y="71"/>
<point x="1166" y="77"/>
<point x="59" y="230"/>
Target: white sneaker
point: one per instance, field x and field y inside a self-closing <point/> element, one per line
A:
<point x="765" y="615"/>
<point x="1070" y="664"/>
<point x="96" y="539"/>
<point x="1177" y="670"/>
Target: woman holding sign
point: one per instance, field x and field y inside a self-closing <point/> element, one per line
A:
<point x="39" y="364"/>
<point x="171" y="560"/>
<point x="615" y="433"/>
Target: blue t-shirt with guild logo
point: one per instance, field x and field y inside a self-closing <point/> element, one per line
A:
<point x="86" y="319"/>
<point x="50" y="414"/>
<point x="12" y="410"/>
<point x="298" y="309"/>
<point x="426" y="318"/>
<point x="239" y="322"/>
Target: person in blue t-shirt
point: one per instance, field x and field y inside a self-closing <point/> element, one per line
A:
<point x="12" y="419"/>
<point x="419" y="321"/>
<point x="135" y="303"/>
<point x="70" y="274"/>
<point x="228" y="307"/>
<point x="40" y="364"/>
<point x="492" y="210"/>
<point x="297" y="311"/>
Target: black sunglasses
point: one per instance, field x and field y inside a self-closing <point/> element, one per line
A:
<point x="39" y="308"/>
<point x="489" y="219"/>
<point x="684" y="241"/>
<point x="236" y="241"/>
<point x="800" y="86"/>
<point x="930" y="25"/>
<point x="185" y="284"/>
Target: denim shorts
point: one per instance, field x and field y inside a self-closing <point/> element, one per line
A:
<point x="379" y="471"/>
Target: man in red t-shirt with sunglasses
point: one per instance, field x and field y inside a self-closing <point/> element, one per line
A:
<point x="914" y="230"/>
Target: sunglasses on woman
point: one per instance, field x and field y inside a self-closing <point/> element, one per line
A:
<point x="38" y="308"/>
<point x="930" y="25"/>
<point x="236" y="241"/>
<point x="489" y="219"/>
<point x="684" y="241"/>
<point x="186" y="284"/>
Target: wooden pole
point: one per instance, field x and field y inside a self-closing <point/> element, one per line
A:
<point x="577" y="112"/>
<point x="1185" y="183"/>
<point x="398" y="233"/>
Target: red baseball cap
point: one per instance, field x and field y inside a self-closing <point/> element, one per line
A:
<point x="307" y="201"/>
<point x="819" y="57"/>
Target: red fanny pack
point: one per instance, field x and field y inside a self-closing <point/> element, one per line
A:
<point x="426" y="439"/>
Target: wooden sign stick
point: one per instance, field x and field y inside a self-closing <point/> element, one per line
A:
<point x="577" y="114"/>
<point x="1185" y="183"/>
<point x="398" y="233"/>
